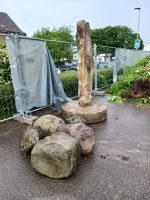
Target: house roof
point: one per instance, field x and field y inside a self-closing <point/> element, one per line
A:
<point x="7" y="25"/>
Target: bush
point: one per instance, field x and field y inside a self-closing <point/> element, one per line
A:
<point x="70" y="83"/>
<point x="5" y="75"/>
<point x="7" y="101"/>
<point x="70" y="80"/>
<point x="125" y="82"/>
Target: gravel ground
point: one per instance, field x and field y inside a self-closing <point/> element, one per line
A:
<point x="118" y="168"/>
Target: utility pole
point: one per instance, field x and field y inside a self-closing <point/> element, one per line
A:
<point x="138" y="26"/>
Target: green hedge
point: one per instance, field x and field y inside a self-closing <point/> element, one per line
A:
<point x="70" y="80"/>
<point x="7" y="101"/>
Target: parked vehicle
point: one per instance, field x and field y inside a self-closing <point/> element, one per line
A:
<point x="102" y="65"/>
<point x="58" y="70"/>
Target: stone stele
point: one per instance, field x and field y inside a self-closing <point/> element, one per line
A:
<point x="84" y="107"/>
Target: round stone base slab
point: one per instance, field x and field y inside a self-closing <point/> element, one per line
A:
<point x="94" y="113"/>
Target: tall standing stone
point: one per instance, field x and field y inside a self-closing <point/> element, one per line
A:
<point x="85" y="62"/>
<point x="89" y="110"/>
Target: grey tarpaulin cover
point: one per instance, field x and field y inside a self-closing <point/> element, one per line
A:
<point x="34" y="76"/>
<point x="126" y="57"/>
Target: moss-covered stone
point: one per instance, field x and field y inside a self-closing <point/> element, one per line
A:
<point x="56" y="156"/>
<point x="48" y="124"/>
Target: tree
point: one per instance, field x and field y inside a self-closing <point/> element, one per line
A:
<point x="115" y="36"/>
<point x="63" y="33"/>
<point x="5" y="74"/>
<point x="59" y="50"/>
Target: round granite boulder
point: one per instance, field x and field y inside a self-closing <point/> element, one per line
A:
<point x="48" y="124"/>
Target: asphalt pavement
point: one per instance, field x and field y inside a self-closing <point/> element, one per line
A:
<point x="118" y="168"/>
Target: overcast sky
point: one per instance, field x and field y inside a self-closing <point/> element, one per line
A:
<point x="30" y="15"/>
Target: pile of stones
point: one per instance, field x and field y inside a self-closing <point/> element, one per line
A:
<point x="56" y="145"/>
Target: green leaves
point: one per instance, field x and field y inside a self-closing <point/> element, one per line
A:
<point x="116" y="99"/>
<point x="115" y="36"/>
<point x="63" y="33"/>
<point x="58" y="50"/>
<point x="125" y="82"/>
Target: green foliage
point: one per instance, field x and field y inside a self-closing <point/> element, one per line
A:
<point x="115" y="36"/>
<point x="116" y="99"/>
<point x="61" y="49"/>
<point x="2" y="44"/>
<point x="70" y="83"/>
<point x="70" y="80"/>
<point x="7" y="101"/>
<point x="104" y="77"/>
<point x="4" y="66"/>
<point x="63" y="33"/>
<point x="144" y="100"/>
<point x="135" y="72"/>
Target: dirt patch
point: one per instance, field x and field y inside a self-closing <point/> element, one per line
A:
<point x="140" y="88"/>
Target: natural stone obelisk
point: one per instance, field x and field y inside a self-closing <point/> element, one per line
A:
<point x="85" y="63"/>
<point x="92" y="112"/>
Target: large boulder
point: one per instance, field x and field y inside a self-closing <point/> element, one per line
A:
<point x="48" y="124"/>
<point x="56" y="156"/>
<point x="82" y="133"/>
<point x="75" y="119"/>
<point x="30" y="137"/>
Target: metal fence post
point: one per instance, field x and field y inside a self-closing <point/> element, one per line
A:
<point x="95" y="67"/>
<point x="115" y="70"/>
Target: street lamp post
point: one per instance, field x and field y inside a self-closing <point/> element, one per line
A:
<point x="139" y="9"/>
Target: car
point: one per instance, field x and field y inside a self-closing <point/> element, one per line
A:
<point x="102" y="65"/>
<point x="58" y="71"/>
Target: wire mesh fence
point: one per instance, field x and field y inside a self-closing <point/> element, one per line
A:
<point x="64" y="55"/>
<point x="104" y="64"/>
<point x="65" y="59"/>
<point x="7" y="100"/>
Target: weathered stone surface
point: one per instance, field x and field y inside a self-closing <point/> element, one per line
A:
<point x="98" y="93"/>
<point x="85" y="62"/>
<point x="29" y="138"/>
<point x="75" y="119"/>
<point x="56" y="156"/>
<point x="48" y="124"/>
<point x="82" y="133"/>
<point x="92" y="114"/>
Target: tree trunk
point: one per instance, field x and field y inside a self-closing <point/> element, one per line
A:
<point x="85" y="63"/>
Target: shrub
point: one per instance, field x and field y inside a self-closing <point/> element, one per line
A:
<point x="7" y="101"/>
<point x="125" y="82"/>
<point x="70" y="83"/>
<point x="70" y="80"/>
<point x="4" y="63"/>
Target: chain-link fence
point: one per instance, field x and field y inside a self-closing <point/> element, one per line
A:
<point x="64" y="55"/>
<point x="7" y="100"/>
<point x="65" y="59"/>
<point x="104" y="63"/>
